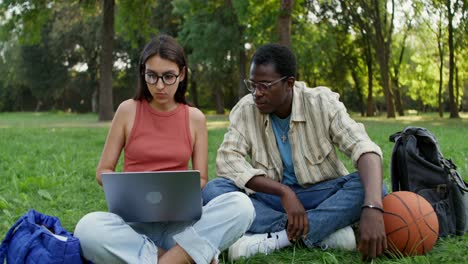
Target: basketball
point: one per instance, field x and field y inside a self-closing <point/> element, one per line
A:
<point x="411" y="224"/>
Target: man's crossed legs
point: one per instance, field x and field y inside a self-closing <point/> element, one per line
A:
<point x="331" y="206"/>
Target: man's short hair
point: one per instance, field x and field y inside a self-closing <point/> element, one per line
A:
<point x="280" y="56"/>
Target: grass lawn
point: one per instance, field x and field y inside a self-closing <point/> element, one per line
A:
<point x="48" y="161"/>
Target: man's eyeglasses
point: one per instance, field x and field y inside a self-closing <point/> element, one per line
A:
<point x="167" y="78"/>
<point x="261" y="86"/>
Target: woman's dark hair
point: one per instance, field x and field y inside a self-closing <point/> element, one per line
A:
<point x="280" y="56"/>
<point x="167" y="48"/>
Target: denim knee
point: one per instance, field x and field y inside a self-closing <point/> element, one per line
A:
<point x="216" y="187"/>
<point x="354" y="180"/>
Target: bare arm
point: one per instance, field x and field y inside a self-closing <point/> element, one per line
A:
<point x="115" y="139"/>
<point x="200" y="144"/>
<point x="373" y="240"/>
<point x="370" y="169"/>
<point x="298" y="223"/>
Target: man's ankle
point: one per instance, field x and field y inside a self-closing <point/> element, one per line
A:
<point x="282" y="239"/>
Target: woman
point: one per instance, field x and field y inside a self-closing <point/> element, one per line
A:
<point x="159" y="131"/>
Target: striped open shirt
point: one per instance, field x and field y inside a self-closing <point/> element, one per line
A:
<point x="319" y="121"/>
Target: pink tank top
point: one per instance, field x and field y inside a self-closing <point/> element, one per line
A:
<point x="159" y="140"/>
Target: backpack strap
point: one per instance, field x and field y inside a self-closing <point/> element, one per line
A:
<point x="450" y="168"/>
<point x="395" y="137"/>
<point x="394" y="168"/>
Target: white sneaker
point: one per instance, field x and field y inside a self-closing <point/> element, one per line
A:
<point x="342" y="239"/>
<point x="251" y="244"/>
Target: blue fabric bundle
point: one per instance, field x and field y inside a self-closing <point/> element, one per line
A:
<point x="38" y="238"/>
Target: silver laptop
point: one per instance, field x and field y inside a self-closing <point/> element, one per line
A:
<point x="154" y="196"/>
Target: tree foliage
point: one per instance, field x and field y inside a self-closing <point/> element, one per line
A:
<point x="51" y="51"/>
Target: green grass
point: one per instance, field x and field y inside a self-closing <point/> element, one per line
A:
<point x="48" y="161"/>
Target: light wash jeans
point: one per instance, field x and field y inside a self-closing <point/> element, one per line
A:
<point x="107" y="238"/>
<point x="330" y="205"/>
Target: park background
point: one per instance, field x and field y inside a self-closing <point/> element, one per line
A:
<point x="66" y="65"/>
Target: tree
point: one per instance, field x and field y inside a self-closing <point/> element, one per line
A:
<point x="359" y="26"/>
<point x="106" y="108"/>
<point x="76" y="31"/>
<point x="13" y="81"/>
<point x="395" y="78"/>
<point x="284" y="22"/>
<point x="211" y="31"/>
<point x="241" y="55"/>
<point x="441" y="52"/>
<point x="452" y="8"/>
<point x="435" y="11"/>
<point x="380" y="33"/>
<point x="383" y="28"/>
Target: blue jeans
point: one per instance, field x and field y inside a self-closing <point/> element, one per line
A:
<point x="107" y="238"/>
<point x="330" y="205"/>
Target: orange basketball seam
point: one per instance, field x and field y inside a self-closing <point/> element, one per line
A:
<point x="412" y="217"/>
<point x="419" y="230"/>
<point x="401" y="228"/>
<point x="429" y="226"/>
<point x="418" y="222"/>
<point x="401" y="218"/>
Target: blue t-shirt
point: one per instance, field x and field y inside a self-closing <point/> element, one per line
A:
<point x="281" y="129"/>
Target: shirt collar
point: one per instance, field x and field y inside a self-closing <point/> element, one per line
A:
<point x="297" y="114"/>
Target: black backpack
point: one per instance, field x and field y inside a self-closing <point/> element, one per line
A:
<point x="417" y="165"/>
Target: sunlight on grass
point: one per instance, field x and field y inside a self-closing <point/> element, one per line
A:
<point x="61" y="119"/>
<point x="217" y="124"/>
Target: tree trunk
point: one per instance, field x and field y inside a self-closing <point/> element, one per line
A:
<point x="386" y="82"/>
<point x="382" y="43"/>
<point x="94" y="101"/>
<point x="106" y="109"/>
<point x="284" y="22"/>
<point x="440" y="49"/>
<point x="370" y="84"/>
<point x="219" y="101"/>
<point x="242" y="73"/>
<point x="93" y="69"/>
<point x="441" y="69"/>
<point x="242" y="67"/>
<point x="398" y="103"/>
<point x="357" y="83"/>
<point x="452" y="101"/>
<point x="194" y="90"/>
<point x="457" y="89"/>
<point x="396" y="78"/>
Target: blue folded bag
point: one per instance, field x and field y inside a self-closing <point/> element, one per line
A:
<point x="39" y="238"/>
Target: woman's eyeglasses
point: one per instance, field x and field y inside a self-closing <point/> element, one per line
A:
<point x="167" y="78"/>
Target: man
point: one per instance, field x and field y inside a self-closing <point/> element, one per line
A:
<point x="279" y="149"/>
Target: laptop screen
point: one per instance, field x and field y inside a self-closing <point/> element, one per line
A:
<point x="154" y="196"/>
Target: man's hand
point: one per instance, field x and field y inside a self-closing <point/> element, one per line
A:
<point x="373" y="240"/>
<point x="298" y="223"/>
